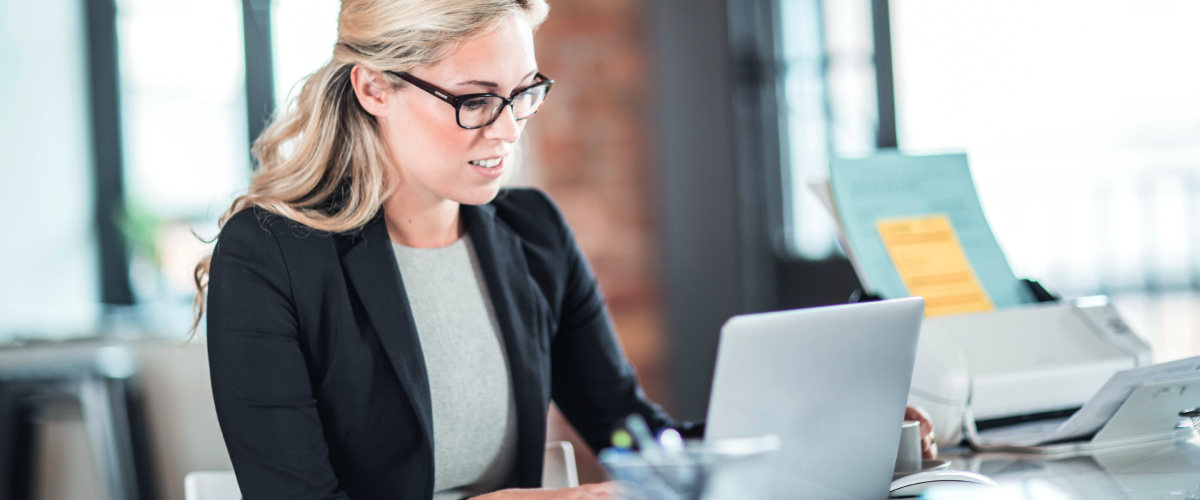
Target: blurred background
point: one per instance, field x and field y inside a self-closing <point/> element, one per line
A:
<point x="679" y="141"/>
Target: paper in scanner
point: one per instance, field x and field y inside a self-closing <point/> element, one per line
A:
<point x="1097" y="411"/>
<point x="922" y="212"/>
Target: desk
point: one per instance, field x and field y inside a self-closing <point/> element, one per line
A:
<point x="1158" y="472"/>
<point x="160" y="407"/>
<point x="101" y="381"/>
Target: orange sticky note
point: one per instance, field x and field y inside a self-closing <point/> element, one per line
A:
<point x="931" y="262"/>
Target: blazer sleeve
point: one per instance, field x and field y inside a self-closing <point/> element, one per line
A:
<point x="260" y="380"/>
<point x="591" y="380"/>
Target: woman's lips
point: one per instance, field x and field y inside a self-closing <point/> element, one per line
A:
<point x="488" y="163"/>
<point x="491" y="168"/>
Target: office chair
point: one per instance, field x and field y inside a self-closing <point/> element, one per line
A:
<point x="558" y="471"/>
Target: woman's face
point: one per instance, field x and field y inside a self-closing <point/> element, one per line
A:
<point x="438" y="160"/>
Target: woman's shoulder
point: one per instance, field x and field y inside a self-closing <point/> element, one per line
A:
<point x="530" y="213"/>
<point x="258" y="222"/>
<point x="251" y="224"/>
<point x="255" y="227"/>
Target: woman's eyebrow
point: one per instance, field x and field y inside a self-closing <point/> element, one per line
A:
<point x="493" y="85"/>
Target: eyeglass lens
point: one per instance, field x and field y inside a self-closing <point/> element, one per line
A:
<point x="481" y="111"/>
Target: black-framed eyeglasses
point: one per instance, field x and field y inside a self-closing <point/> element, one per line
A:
<point x="480" y="110"/>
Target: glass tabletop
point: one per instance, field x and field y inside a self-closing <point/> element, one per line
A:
<point x="1158" y="472"/>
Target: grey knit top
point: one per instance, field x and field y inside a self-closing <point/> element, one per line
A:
<point x="474" y="414"/>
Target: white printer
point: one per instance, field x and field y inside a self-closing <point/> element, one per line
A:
<point x="1018" y="364"/>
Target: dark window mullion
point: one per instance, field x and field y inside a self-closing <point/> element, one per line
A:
<point x="260" y="77"/>
<point x="885" y="86"/>
<point x="104" y="75"/>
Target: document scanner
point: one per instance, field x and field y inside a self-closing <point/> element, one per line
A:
<point x="995" y="358"/>
<point x="1020" y="364"/>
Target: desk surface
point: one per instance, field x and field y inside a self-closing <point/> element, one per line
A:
<point x="1159" y="472"/>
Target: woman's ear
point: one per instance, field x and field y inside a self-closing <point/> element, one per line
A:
<point x="370" y="88"/>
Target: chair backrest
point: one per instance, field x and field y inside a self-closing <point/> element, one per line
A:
<point x="211" y="486"/>
<point x="558" y="471"/>
<point x="558" y="467"/>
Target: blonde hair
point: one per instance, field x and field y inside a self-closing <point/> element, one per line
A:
<point x="321" y="161"/>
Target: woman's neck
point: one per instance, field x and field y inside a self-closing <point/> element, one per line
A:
<point x="414" y="222"/>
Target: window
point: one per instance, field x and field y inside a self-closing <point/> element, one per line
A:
<point x="1082" y="124"/>
<point x="1081" y="120"/>
<point x="182" y="156"/>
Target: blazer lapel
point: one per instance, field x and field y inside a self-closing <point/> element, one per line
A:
<point x="370" y="264"/>
<point x="502" y="260"/>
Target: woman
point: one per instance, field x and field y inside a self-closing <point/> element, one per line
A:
<point x="383" y="320"/>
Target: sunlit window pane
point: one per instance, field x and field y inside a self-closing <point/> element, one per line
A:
<point x="303" y="33"/>
<point x="49" y="277"/>
<point x="184" y="126"/>
<point x="1082" y="122"/>
<point x="830" y="108"/>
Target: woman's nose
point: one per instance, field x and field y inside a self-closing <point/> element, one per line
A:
<point x="505" y="128"/>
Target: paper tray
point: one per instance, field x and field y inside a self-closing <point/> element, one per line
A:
<point x="1150" y="415"/>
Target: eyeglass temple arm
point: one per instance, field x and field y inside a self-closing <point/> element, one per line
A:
<point x="438" y="93"/>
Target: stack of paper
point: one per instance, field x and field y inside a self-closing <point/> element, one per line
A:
<point x="913" y="225"/>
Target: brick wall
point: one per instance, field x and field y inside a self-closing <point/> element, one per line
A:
<point x="590" y="149"/>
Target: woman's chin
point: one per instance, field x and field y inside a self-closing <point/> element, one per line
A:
<point x="480" y="196"/>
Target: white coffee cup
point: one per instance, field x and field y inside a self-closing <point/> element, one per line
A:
<point x="908" y="458"/>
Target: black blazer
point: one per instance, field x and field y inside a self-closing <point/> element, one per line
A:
<point x="317" y="372"/>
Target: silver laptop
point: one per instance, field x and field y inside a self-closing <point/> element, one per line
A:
<point x="832" y="382"/>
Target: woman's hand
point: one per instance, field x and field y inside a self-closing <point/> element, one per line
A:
<point x="598" y="491"/>
<point x="928" y="439"/>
